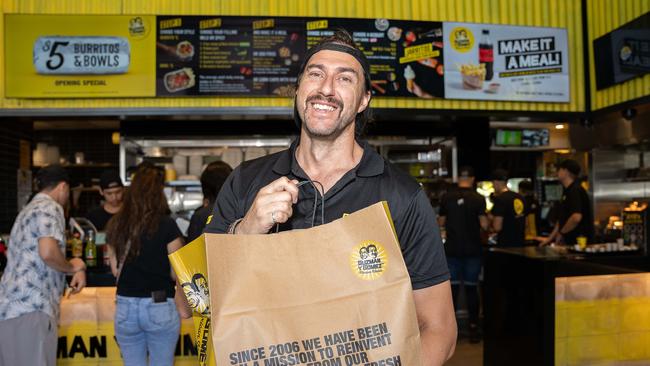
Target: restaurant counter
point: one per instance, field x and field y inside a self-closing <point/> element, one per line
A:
<point x="86" y="335"/>
<point x="547" y="306"/>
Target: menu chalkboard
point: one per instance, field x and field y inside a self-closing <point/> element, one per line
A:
<point x="204" y="56"/>
<point x="262" y="56"/>
<point x="405" y="56"/>
<point x="101" y="56"/>
<point x="243" y="56"/>
<point x="278" y="52"/>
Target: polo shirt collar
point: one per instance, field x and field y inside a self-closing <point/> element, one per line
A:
<point x="283" y="165"/>
<point x="371" y="164"/>
<point x="573" y="184"/>
<point x="43" y="196"/>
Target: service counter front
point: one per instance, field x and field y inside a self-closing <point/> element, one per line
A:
<point x="548" y="307"/>
<point x="86" y="335"/>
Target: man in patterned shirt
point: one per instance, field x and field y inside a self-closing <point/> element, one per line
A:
<point x="33" y="282"/>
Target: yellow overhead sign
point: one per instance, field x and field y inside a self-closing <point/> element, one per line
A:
<point x="63" y="56"/>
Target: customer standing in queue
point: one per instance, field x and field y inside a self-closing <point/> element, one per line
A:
<point x="212" y="178"/>
<point x="508" y="212"/>
<point x="112" y="190"/>
<point x="462" y="214"/>
<point x="331" y="107"/>
<point x="33" y="282"/>
<point x="140" y="236"/>
<point x="576" y="218"/>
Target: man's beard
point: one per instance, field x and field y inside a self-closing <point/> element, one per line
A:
<point x="335" y="130"/>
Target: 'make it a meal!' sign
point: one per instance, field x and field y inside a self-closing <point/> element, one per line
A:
<point x="497" y="62"/>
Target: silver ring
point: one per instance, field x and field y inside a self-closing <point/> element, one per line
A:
<point x="273" y="217"/>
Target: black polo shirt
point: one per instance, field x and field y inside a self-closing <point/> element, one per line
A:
<point x="510" y="205"/>
<point x="372" y="181"/>
<point x="461" y="208"/>
<point x="575" y="200"/>
<point x="99" y="217"/>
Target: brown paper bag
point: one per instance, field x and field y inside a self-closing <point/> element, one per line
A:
<point x="336" y="294"/>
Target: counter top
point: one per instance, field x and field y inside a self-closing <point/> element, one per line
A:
<point x="520" y="291"/>
<point x="98" y="277"/>
<point x="622" y="262"/>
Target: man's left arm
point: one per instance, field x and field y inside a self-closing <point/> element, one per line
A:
<point x="574" y="205"/>
<point x="571" y="223"/>
<point x="424" y="256"/>
<point x="437" y="322"/>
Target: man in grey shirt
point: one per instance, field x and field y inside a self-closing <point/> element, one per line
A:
<point x="34" y="280"/>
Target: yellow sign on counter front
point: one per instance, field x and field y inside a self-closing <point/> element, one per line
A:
<point x="87" y="337"/>
<point x="64" y="56"/>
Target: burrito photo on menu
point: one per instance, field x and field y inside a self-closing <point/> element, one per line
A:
<point x="334" y="294"/>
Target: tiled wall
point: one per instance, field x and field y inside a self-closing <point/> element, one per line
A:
<point x="602" y="320"/>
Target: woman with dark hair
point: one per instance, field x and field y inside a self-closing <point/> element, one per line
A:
<point x="140" y="237"/>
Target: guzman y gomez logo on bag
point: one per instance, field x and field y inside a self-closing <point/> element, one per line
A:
<point x="368" y="260"/>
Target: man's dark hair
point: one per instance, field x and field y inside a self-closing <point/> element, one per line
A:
<point x="500" y="175"/>
<point x="571" y="166"/>
<point x="110" y="179"/>
<point x="526" y="186"/>
<point x="50" y="176"/>
<point x="466" y="172"/>
<point x="212" y="179"/>
<point x="341" y="37"/>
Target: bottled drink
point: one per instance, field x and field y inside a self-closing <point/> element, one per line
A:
<point x="77" y="246"/>
<point x="106" y="260"/>
<point x="68" y="245"/>
<point x="486" y="54"/>
<point x="91" y="249"/>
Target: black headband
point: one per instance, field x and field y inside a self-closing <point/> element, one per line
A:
<point x="358" y="55"/>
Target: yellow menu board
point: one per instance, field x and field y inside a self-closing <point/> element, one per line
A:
<point x="67" y="56"/>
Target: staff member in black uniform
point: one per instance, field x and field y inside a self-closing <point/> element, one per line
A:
<point x="112" y="189"/>
<point x="212" y="179"/>
<point x="508" y="219"/>
<point x="462" y="214"/>
<point x="331" y="107"/>
<point x="575" y="215"/>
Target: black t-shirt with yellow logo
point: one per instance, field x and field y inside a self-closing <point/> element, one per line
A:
<point x="511" y="207"/>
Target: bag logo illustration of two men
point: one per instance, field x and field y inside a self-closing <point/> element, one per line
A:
<point x="368" y="260"/>
<point x="198" y="294"/>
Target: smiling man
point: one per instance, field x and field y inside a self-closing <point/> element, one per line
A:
<point x="331" y="108"/>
